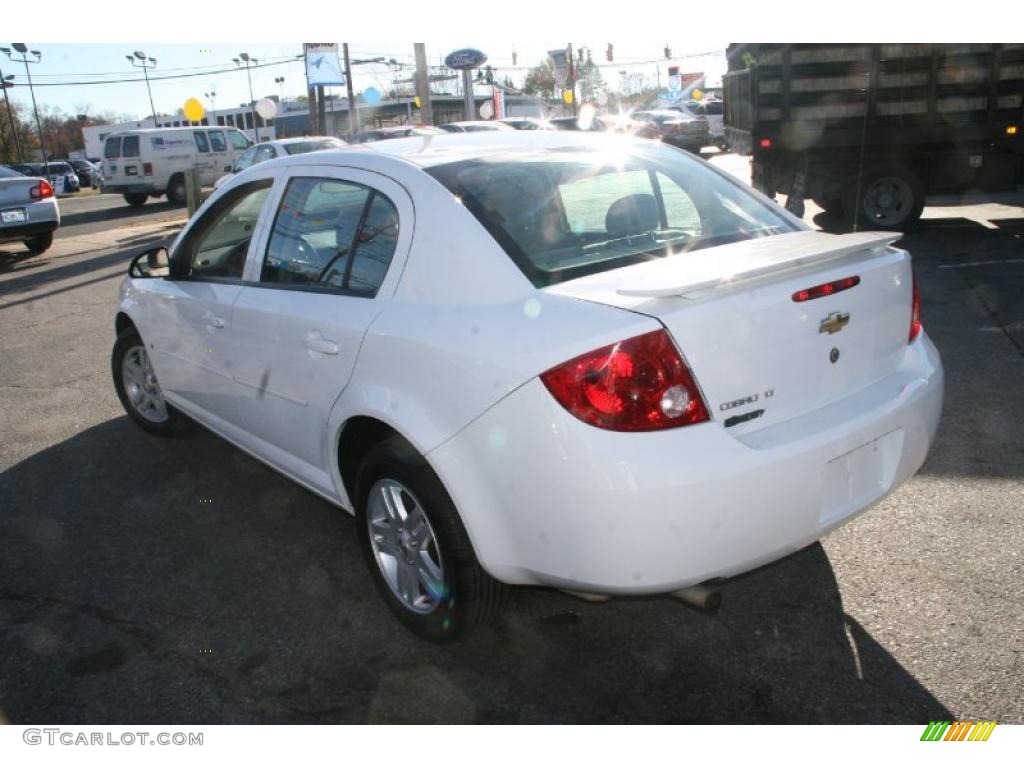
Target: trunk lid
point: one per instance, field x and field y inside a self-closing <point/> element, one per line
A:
<point x="17" y="192"/>
<point x="750" y="346"/>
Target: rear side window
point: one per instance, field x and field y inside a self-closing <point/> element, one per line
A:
<point x="201" y="143"/>
<point x="130" y="146"/>
<point x="112" y="149"/>
<point x="331" y="234"/>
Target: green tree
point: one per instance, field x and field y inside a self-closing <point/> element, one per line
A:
<point x="591" y="81"/>
<point x="540" y="81"/>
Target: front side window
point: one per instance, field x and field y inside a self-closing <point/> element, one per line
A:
<point x="564" y="214"/>
<point x="112" y="149"/>
<point x="201" y="143"/>
<point x="217" y="141"/>
<point x="238" y="140"/>
<point x="130" y="146"/>
<point x="331" y="234"/>
<point x="217" y="245"/>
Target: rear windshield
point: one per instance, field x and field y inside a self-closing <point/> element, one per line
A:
<point x="302" y="147"/>
<point x="7" y="173"/>
<point x="112" y="149"/>
<point x="565" y="214"/>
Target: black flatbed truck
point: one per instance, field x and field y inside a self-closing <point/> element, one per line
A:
<point x="868" y="131"/>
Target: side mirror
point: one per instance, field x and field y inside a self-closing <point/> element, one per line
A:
<point x="152" y="263"/>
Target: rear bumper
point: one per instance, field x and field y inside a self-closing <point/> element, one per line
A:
<point x="24" y="231"/>
<point x="548" y="500"/>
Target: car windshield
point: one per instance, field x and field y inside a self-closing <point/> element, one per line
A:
<point x="565" y="214"/>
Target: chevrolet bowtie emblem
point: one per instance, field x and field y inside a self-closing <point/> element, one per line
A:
<point x="834" y="323"/>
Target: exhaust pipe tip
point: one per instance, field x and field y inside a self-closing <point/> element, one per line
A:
<point x="702" y="598"/>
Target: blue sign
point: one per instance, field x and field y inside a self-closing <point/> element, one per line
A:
<point x="465" y="58"/>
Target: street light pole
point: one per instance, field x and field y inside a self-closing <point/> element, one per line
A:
<point x="5" y="83"/>
<point x="23" y="50"/>
<point x="252" y="102"/>
<point x="139" y="59"/>
<point x="212" y="96"/>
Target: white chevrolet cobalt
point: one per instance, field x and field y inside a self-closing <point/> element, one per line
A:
<point x="583" y="361"/>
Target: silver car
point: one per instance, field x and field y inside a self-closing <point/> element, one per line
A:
<point x="28" y="210"/>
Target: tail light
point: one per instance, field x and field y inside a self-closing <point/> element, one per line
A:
<point x="765" y="143"/>
<point x="915" y="310"/>
<point x="41" y="190"/>
<point x="637" y="385"/>
<point x="147" y="169"/>
<point x="826" y="289"/>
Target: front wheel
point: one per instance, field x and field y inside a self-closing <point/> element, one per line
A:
<point x="418" y="551"/>
<point x="138" y="389"/>
<point x="176" y="194"/>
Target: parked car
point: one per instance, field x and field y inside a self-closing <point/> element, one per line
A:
<point x="475" y="126"/>
<point x="395" y="132"/>
<point x="86" y="172"/>
<point x="578" y="124"/>
<point x="29" y="213"/>
<point x="527" y="123"/>
<point x="151" y="162"/>
<point x="712" y="111"/>
<point x="588" y="362"/>
<point x="673" y="127"/>
<point x="268" y="150"/>
<point x="61" y="176"/>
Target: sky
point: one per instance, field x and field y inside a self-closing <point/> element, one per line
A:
<point x="96" y="68"/>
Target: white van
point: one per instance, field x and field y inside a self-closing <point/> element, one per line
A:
<point x="149" y="162"/>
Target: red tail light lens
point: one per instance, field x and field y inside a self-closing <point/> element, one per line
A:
<point x="147" y="169"/>
<point x="915" y="311"/>
<point x="765" y="143"/>
<point x="41" y="190"/>
<point x="638" y="385"/>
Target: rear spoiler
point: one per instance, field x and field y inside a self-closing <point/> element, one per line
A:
<point x="754" y="260"/>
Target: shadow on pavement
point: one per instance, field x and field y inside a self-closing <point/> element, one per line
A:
<point x="154" y="581"/>
<point x="116" y="214"/>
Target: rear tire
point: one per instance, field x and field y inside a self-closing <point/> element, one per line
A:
<point x="460" y="595"/>
<point x="136" y="199"/>
<point x="138" y="389"/>
<point x="176" y="194"/>
<point x="891" y="197"/>
<point x="39" y="243"/>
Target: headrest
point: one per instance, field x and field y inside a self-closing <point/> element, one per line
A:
<point x="632" y="215"/>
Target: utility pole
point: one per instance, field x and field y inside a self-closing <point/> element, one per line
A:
<point x="572" y="79"/>
<point x="423" y="84"/>
<point x="353" y="116"/>
<point x="5" y="83"/>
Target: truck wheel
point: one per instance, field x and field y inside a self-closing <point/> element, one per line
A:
<point x="176" y="190"/>
<point x="39" y="243"/>
<point x="135" y="199"/>
<point x="890" y="197"/>
<point x="830" y="204"/>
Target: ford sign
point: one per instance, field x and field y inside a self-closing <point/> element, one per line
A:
<point x="465" y="58"/>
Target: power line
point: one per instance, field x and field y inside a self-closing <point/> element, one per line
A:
<point x="206" y="73"/>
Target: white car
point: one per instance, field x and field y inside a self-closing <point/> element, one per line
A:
<point x="270" y="150"/>
<point x="577" y="360"/>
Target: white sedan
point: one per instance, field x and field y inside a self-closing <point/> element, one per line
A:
<point x="576" y="360"/>
<point x="269" y="150"/>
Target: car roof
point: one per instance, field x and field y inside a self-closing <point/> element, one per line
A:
<point x="432" y="150"/>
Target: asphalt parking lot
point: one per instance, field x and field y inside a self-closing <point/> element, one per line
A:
<point x="153" y="581"/>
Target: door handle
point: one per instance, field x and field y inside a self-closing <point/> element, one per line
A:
<point x="315" y="342"/>
<point x="213" y="320"/>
